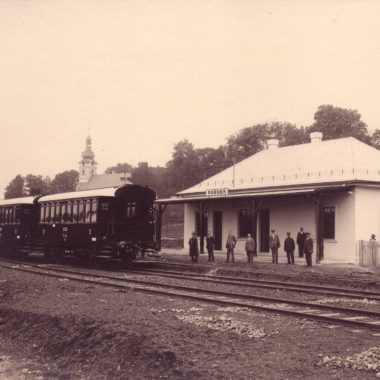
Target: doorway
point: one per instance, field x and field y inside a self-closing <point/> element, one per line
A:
<point x="217" y="222"/>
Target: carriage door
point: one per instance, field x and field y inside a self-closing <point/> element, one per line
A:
<point x="217" y="222"/>
<point x="264" y="230"/>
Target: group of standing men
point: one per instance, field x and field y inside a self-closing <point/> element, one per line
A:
<point x="304" y="242"/>
<point x="194" y="249"/>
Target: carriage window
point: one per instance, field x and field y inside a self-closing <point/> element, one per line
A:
<point x="47" y="213"/>
<point x="81" y="211"/>
<point x="1" y="215"/>
<point x="12" y="217"/>
<point x="18" y="215"/>
<point x="64" y="212"/>
<point x="52" y="212"/>
<point x="75" y="211"/>
<point x="94" y="208"/>
<point x="58" y="216"/>
<point x="131" y="209"/>
<point x="69" y="212"/>
<point x="88" y="211"/>
<point x="105" y="206"/>
<point x="42" y="213"/>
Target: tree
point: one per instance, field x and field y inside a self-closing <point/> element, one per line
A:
<point x="287" y="133"/>
<point x="183" y="169"/>
<point x="211" y="161"/>
<point x="15" y="189"/>
<point x="336" y="122"/>
<point x="36" y="184"/>
<point x="246" y="142"/>
<point x="119" y="168"/>
<point x="375" y="139"/>
<point x="142" y="175"/>
<point x="251" y="140"/>
<point x="64" y="182"/>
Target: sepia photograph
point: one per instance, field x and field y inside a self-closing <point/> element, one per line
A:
<point x="189" y="190"/>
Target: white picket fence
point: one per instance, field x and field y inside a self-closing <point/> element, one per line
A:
<point x="369" y="253"/>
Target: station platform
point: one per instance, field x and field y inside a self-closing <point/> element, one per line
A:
<point x="263" y="263"/>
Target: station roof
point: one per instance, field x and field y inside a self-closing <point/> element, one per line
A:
<point x="282" y="170"/>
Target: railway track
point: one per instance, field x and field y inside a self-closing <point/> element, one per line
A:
<point x="363" y="319"/>
<point x="272" y="285"/>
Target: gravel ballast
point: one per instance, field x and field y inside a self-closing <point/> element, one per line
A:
<point x="54" y="329"/>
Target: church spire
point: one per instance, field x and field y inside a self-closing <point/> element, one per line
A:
<point x="87" y="165"/>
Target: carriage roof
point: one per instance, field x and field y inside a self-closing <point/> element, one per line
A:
<point x="127" y="190"/>
<point x="18" y="201"/>
<point x="106" y="192"/>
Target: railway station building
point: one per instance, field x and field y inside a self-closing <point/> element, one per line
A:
<point x="330" y="188"/>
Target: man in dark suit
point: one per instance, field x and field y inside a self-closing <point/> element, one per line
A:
<point x="301" y="237"/>
<point x="308" y="249"/>
<point x="289" y="247"/>
<point x="274" y="244"/>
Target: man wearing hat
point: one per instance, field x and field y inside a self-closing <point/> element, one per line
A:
<point x="193" y="247"/>
<point x="289" y="247"/>
<point x="274" y="244"/>
<point x="308" y="249"/>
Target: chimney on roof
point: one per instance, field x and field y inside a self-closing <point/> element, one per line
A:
<point x="316" y="137"/>
<point x="272" y="143"/>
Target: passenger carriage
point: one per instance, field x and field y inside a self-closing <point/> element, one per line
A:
<point x="18" y="225"/>
<point x="109" y="222"/>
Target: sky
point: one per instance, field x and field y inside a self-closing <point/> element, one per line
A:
<point x="139" y="76"/>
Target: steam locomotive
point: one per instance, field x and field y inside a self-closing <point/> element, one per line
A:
<point x="110" y="222"/>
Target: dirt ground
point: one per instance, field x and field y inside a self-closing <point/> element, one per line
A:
<point x="54" y="329"/>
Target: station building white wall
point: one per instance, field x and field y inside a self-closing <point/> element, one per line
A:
<point x="367" y="209"/>
<point x="352" y="220"/>
<point x="343" y="247"/>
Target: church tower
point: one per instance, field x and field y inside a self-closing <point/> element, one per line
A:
<point x="87" y="166"/>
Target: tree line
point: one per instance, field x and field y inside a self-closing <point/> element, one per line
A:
<point x="189" y="165"/>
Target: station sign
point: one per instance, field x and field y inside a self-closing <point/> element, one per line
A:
<point x="216" y="192"/>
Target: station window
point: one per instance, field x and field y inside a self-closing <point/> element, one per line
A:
<point x="198" y="223"/>
<point x="94" y="209"/>
<point x="244" y="223"/>
<point x="329" y="222"/>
